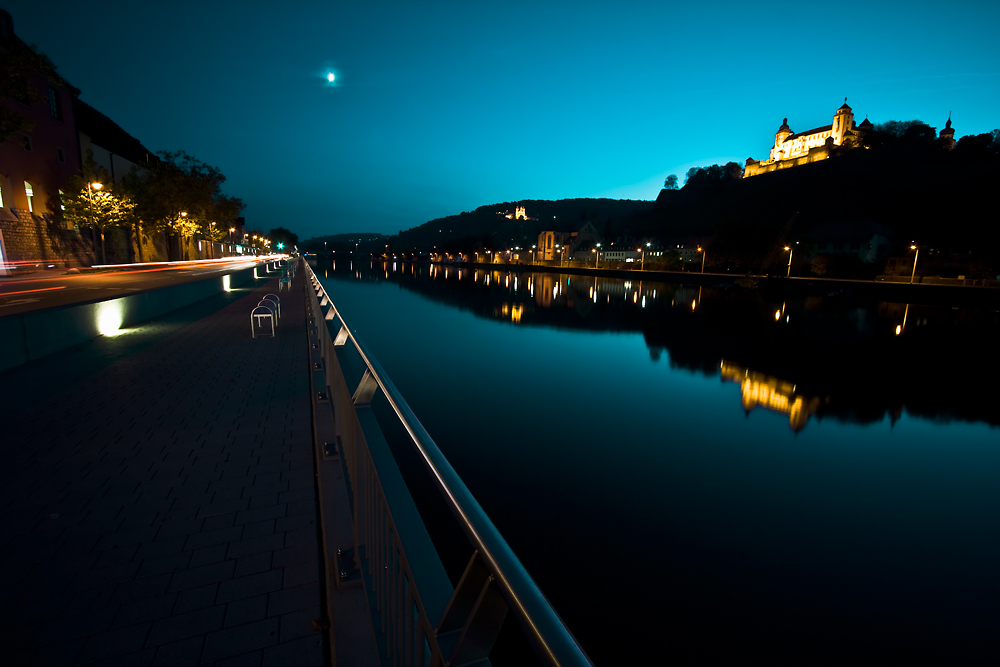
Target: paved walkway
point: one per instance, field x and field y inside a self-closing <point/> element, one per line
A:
<point x="162" y="510"/>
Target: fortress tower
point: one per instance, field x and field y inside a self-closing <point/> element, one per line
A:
<point x="948" y="134"/>
<point x="778" y="152"/>
<point x="843" y="122"/>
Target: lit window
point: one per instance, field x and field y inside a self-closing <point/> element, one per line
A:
<point x="30" y="193"/>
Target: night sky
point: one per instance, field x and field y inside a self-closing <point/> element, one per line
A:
<point x="442" y="107"/>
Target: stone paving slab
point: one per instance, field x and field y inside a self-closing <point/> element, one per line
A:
<point x="162" y="511"/>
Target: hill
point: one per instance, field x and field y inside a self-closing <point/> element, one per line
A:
<point x="908" y="191"/>
<point x="488" y="228"/>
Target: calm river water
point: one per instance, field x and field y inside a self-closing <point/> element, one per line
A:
<point x="713" y="474"/>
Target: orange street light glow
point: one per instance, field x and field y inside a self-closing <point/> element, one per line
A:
<point x="29" y="291"/>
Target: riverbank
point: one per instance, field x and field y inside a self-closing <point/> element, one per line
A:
<point x="923" y="292"/>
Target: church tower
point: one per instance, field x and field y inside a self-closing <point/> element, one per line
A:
<point x="948" y="134"/>
<point x="843" y="123"/>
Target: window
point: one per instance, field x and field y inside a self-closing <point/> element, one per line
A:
<point x="61" y="155"/>
<point x="54" y="107"/>
<point x="30" y="193"/>
<point x="26" y="142"/>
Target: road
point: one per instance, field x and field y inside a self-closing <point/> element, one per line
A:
<point x="54" y="287"/>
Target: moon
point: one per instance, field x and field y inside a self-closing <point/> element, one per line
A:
<point x="330" y="77"/>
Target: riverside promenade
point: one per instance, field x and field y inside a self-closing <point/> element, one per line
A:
<point x="157" y="496"/>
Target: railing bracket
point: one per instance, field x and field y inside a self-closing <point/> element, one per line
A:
<point x="366" y="390"/>
<point x="341" y="337"/>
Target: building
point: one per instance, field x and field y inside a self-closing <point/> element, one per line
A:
<point x="791" y="149"/>
<point x="554" y="246"/>
<point x="36" y="164"/>
<point x="771" y="393"/>
<point x="114" y="149"/>
<point x="948" y="134"/>
<point x="620" y="255"/>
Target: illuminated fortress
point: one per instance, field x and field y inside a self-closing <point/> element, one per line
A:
<point x="792" y="149"/>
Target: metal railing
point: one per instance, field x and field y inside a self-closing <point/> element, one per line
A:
<point x="425" y="619"/>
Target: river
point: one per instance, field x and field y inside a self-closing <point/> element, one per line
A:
<point x="712" y="474"/>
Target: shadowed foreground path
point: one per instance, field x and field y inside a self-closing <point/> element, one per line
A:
<point x="161" y="510"/>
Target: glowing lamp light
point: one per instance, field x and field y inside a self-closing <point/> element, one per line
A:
<point x="330" y="77"/>
<point x="225" y="283"/>
<point x="97" y="186"/>
<point x="110" y="316"/>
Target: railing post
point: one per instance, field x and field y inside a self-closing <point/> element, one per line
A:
<point x="471" y="622"/>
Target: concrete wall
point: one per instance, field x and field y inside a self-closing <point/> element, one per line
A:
<point x="38" y="333"/>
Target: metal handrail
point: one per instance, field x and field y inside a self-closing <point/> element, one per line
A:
<point x="546" y="630"/>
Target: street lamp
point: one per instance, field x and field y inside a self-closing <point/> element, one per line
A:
<point x="702" y="251"/>
<point x="915" y="255"/>
<point x="642" y="265"/>
<point x="789" y="249"/>
<point x="597" y="256"/>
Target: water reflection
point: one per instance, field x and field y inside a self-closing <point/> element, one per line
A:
<point x="771" y="393"/>
<point x="788" y="478"/>
<point x="867" y="359"/>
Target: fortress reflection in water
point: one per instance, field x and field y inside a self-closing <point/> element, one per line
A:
<point x="770" y="393"/>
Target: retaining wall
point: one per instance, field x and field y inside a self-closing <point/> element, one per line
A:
<point x="38" y="333"/>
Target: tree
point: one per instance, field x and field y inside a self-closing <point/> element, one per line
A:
<point x="180" y="195"/>
<point x="281" y="235"/>
<point x="670" y="183"/>
<point x="901" y="135"/>
<point x="977" y="149"/>
<point x="713" y="175"/>
<point x="733" y="171"/>
<point x="98" y="208"/>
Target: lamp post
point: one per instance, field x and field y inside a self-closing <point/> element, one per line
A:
<point x="702" y="251"/>
<point x="642" y="264"/>
<point x="915" y="255"/>
<point x="90" y="218"/>
<point x="789" y="249"/>
<point x="597" y="256"/>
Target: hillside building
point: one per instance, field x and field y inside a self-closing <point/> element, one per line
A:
<point x="791" y="149"/>
<point x="563" y="245"/>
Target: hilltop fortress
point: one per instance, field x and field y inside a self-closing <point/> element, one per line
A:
<point x="792" y="149"/>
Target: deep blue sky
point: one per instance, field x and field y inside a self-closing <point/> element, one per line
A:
<point x="442" y="107"/>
